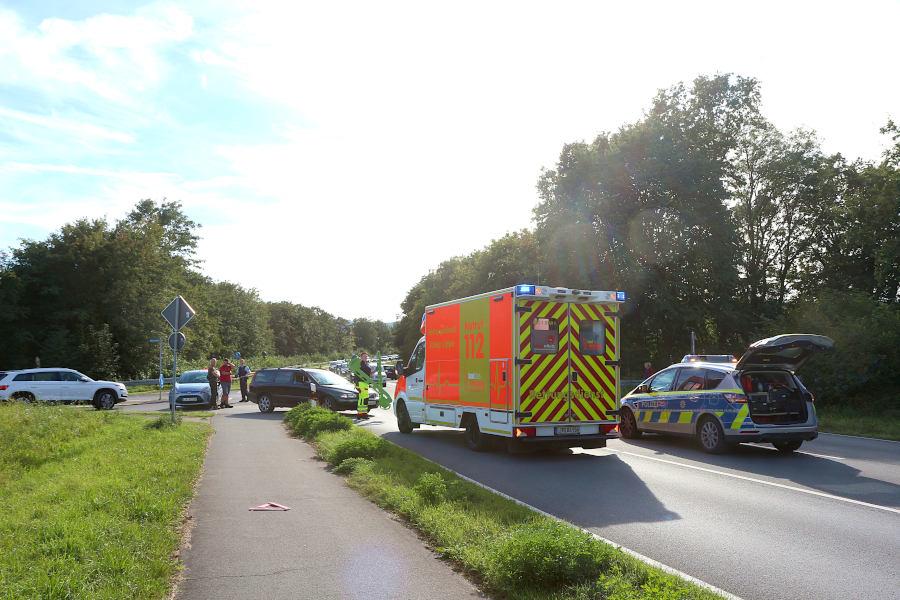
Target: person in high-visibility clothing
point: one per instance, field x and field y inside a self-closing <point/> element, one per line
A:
<point x="362" y="405"/>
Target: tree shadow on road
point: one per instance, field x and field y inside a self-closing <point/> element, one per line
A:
<point x="824" y="474"/>
<point x="587" y="489"/>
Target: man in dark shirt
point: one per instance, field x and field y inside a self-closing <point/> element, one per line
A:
<point x="243" y="373"/>
<point x="212" y="376"/>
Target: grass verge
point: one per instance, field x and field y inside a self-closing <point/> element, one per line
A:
<point x="859" y="419"/>
<point x="513" y="551"/>
<point x="92" y="501"/>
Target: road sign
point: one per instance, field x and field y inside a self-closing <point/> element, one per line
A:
<point x="176" y="341"/>
<point x="178" y="313"/>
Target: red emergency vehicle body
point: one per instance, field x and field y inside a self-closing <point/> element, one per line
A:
<point x="534" y="364"/>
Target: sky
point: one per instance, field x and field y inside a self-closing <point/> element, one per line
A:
<point x="335" y="152"/>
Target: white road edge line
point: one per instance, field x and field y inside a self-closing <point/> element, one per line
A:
<point x="860" y="437"/>
<point x="762" y="481"/>
<point x="629" y="551"/>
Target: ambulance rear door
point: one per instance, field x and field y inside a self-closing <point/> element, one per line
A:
<point x="542" y="361"/>
<point x="593" y="349"/>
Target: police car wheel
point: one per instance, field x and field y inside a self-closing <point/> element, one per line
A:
<point x="628" y="426"/>
<point x="404" y="423"/>
<point x="788" y="447"/>
<point x="711" y="436"/>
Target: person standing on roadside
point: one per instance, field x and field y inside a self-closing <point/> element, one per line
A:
<point x="212" y="376"/>
<point x="225" y="382"/>
<point x="244" y="376"/>
<point x="362" y="405"/>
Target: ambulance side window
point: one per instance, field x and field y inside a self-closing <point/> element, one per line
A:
<point x="591" y="338"/>
<point x="419" y="357"/>
<point x="545" y="336"/>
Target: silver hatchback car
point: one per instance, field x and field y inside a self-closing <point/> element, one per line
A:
<point x="757" y="399"/>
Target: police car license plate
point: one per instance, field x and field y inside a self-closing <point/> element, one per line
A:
<point x="568" y="430"/>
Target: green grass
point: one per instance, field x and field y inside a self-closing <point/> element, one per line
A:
<point x="92" y="501"/>
<point x="881" y="421"/>
<point x="141" y="389"/>
<point x="512" y="551"/>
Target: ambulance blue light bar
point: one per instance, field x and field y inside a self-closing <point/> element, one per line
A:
<point x="525" y="290"/>
<point x="621" y="296"/>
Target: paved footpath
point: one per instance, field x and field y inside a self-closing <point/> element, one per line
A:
<point x="331" y="544"/>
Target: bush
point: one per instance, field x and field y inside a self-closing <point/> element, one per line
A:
<point x="356" y="443"/>
<point x="310" y="421"/>
<point x="353" y="464"/>
<point x="545" y="554"/>
<point x="291" y="416"/>
<point x="431" y="488"/>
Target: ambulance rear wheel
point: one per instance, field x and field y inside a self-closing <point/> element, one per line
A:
<point x="475" y="440"/>
<point x="404" y="423"/>
<point x="628" y="426"/>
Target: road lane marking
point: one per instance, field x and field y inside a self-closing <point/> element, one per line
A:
<point x="861" y="437"/>
<point x="629" y="551"/>
<point x="771" y="449"/>
<point x="754" y="480"/>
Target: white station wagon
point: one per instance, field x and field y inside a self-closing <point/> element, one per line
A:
<point x="60" y="385"/>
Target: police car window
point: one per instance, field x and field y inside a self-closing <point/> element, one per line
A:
<point x="714" y="378"/>
<point x="591" y="338"/>
<point x="663" y="381"/>
<point x="282" y="377"/>
<point x="690" y="380"/>
<point x="545" y="336"/>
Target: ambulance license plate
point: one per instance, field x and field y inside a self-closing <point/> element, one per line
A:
<point x="568" y="430"/>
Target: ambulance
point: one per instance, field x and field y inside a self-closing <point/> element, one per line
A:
<point x="530" y="365"/>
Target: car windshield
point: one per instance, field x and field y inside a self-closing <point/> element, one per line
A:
<point x="193" y="377"/>
<point x="328" y="378"/>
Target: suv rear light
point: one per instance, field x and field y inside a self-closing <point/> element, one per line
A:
<point x="3" y="387"/>
<point x="524" y="432"/>
<point x="735" y="398"/>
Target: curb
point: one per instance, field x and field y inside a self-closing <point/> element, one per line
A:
<point x="645" y="559"/>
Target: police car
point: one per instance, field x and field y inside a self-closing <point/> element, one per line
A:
<point x="756" y="399"/>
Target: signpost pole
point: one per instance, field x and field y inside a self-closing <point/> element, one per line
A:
<point x="161" y="379"/>
<point x="174" y="378"/>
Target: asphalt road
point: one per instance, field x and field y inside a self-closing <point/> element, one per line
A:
<point x="822" y="523"/>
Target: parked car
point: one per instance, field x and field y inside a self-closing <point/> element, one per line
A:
<point x="192" y="389"/>
<point x="756" y="399"/>
<point x="288" y="387"/>
<point x="391" y="371"/>
<point x="60" y="385"/>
